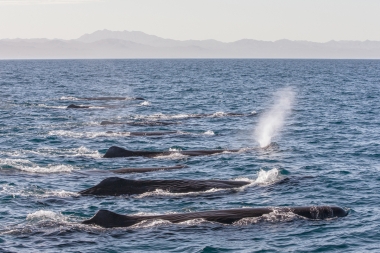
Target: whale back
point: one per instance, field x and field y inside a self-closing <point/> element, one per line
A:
<point x="118" y="152"/>
<point x="319" y="212"/>
<point x="115" y="186"/>
<point x="109" y="219"/>
<point x="72" y="106"/>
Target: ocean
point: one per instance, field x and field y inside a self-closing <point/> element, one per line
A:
<point x="320" y="119"/>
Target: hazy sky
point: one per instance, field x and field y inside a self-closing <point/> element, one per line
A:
<point x="224" y="20"/>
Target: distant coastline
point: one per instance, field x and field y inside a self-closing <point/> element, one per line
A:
<point x="105" y="44"/>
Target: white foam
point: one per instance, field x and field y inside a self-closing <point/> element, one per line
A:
<point x="97" y="107"/>
<point x="273" y="217"/>
<point x="172" y="156"/>
<point x="49" y="152"/>
<point x="159" y="192"/>
<point x="164" y="117"/>
<point x="43" y="215"/>
<point x="74" y="152"/>
<point x="88" y="134"/>
<point x="218" y="114"/>
<point x="60" y="194"/>
<point x="145" y="103"/>
<point x="68" y="98"/>
<point x="160" y="222"/>
<point x="268" y="177"/>
<point x="11" y="153"/>
<point x="174" y="149"/>
<point x="272" y="121"/>
<point x="51" y="106"/>
<point x="28" y="166"/>
<point x="264" y="178"/>
<point x="194" y="222"/>
<point x="150" y="223"/>
<point x="49" y="169"/>
<point x="34" y="192"/>
<point x="83" y="151"/>
<point x="240" y="151"/>
<point x="13" y="162"/>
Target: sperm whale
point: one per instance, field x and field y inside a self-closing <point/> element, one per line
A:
<point x="114" y="151"/>
<point x="115" y="186"/>
<point x="108" y="219"/>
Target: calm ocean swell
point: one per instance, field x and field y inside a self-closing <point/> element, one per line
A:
<point x="327" y="150"/>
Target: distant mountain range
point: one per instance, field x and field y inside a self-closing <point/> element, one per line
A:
<point x="124" y="44"/>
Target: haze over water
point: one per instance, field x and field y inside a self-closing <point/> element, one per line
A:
<point x="324" y="130"/>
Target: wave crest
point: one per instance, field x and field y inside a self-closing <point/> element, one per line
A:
<point x="28" y="166"/>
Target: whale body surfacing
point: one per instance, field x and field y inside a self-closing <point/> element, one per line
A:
<point x="72" y="106"/>
<point x="121" y="152"/>
<point x="115" y="186"/>
<point x="108" y="219"/>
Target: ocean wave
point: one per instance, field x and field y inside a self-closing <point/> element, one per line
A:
<point x="12" y="153"/>
<point x="45" y="221"/>
<point x="83" y="151"/>
<point x="73" y="152"/>
<point x="43" y="215"/>
<point x="51" y="152"/>
<point x="28" y="166"/>
<point x="33" y="191"/>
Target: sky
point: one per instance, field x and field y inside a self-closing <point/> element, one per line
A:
<point x="223" y="20"/>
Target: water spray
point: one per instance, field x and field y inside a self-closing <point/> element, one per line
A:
<point x="272" y="121"/>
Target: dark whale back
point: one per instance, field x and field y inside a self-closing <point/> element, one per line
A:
<point x="115" y="186"/>
<point x="109" y="219"/>
<point x="118" y="152"/>
<point x="72" y="106"/>
<point x="121" y="152"/>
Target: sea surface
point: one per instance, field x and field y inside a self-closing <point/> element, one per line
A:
<point x="324" y="150"/>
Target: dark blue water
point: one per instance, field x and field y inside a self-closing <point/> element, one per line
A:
<point x="328" y="147"/>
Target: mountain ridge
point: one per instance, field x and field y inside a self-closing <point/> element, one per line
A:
<point x="105" y="44"/>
